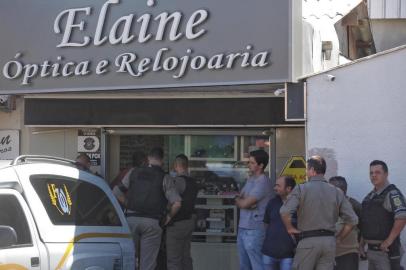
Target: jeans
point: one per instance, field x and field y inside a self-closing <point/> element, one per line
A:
<point x="249" y="244"/>
<point x="277" y="264"/>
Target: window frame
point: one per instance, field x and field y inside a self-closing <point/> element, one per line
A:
<point x="18" y="206"/>
<point x="34" y="179"/>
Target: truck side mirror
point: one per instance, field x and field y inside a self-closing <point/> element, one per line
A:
<point x="8" y="236"/>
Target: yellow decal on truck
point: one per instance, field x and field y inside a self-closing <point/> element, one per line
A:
<point x="60" y="198"/>
<point x="12" y="267"/>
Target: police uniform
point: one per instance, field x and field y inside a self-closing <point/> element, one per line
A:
<point x="318" y="205"/>
<point x="179" y="231"/>
<point x="145" y="208"/>
<point x="380" y="209"/>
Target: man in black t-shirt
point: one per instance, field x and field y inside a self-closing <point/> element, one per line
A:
<point x="278" y="247"/>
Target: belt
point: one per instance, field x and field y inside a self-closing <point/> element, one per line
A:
<point x="313" y="233"/>
<point x="376" y="247"/>
<point x="133" y="214"/>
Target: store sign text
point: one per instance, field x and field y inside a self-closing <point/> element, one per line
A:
<point x="71" y="26"/>
<point x="9" y="144"/>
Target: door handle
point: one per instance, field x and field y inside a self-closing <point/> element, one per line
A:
<point x="34" y="261"/>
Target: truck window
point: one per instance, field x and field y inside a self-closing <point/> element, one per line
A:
<point x="74" y="202"/>
<point x="12" y="214"/>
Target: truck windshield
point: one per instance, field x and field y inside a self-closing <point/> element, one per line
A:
<point x="74" y="202"/>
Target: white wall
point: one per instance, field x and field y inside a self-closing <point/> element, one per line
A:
<point x="13" y="119"/>
<point x="387" y="9"/>
<point x="359" y="117"/>
<point x="52" y="141"/>
<point x="60" y="142"/>
<point x="56" y="141"/>
<point x="385" y="39"/>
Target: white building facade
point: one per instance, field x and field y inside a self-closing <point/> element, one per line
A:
<point x="355" y="114"/>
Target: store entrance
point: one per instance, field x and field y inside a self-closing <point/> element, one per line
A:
<point x="218" y="160"/>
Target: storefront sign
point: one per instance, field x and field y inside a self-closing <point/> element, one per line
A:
<point x="89" y="143"/>
<point x="9" y="144"/>
<point x="125" y="44"/>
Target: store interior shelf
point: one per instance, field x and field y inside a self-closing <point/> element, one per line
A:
<point x="209" y="206"/>
<point x="214" y="234"/>
<point x="209" y="196"/>
<point x="216" y="220"/>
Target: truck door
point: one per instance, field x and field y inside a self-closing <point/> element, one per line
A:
<point x="23" y="253"/>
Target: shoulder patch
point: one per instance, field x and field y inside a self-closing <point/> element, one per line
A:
<point x="397" y="201"/>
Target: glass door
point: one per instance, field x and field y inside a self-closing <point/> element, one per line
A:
<point x="217" y="160"/>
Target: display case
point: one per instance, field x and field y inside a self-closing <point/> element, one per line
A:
<point x="211" y="148"/>
<point x="219" y="164"/>
<point x="220" y="181"/>
<point x="216" y="218"/>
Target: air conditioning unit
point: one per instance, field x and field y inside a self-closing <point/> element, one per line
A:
<point x="7" y="103"/>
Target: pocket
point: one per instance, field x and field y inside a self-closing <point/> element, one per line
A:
<point x="257" y="216"/>
<point x="252" y="239"/>
<point x="302" y="257"/>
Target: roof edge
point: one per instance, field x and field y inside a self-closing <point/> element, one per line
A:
<point x="399" y="48"/>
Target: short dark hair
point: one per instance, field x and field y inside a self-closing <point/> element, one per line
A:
<point x="157" y="153"/>
<point x="289" y="181"/>
<point x="318" y="164"/>
<point x="139" y="159"/>
<point x="379" y="162"/>
<point x="261" y="157"/>
<point x="340" y="182"/>
<point x="83" y="156"/>
<point x="182" y="160"/>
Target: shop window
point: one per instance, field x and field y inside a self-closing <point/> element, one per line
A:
<point x="219" y="163"/>
<point x="213" y="147"/>
<point x="252" y="143"/>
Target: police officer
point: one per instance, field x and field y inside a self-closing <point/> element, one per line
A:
<point x="382" y="220"/>
<point x="143" y="195"/>
<point x="181" y="218"/>
<point x="318" y="205"/>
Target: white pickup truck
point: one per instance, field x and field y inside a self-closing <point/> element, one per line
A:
<point x="54" y="216"/>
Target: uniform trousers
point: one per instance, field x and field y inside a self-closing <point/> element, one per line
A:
<point x="315" y="253"/>
<point x="148" y="233"/>
<point x="379" y="260"/>
<point x="348" y="261"/>
<point x="178" y="238"/>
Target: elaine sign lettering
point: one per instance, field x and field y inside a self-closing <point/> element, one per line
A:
<point x="129" y="44"/>
<point x="9" y="144"/>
